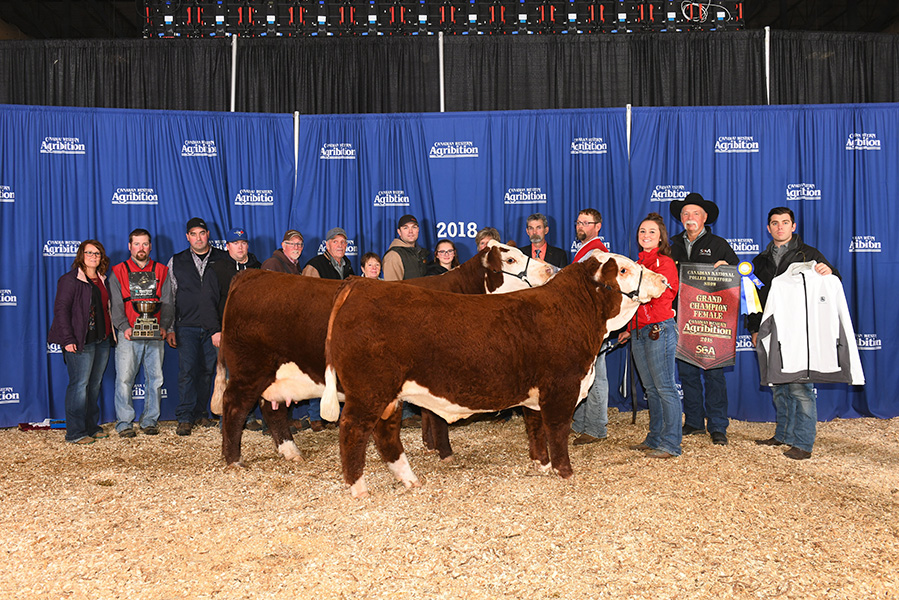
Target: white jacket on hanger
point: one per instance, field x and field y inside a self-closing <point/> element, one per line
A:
<point x="806" y="334"/>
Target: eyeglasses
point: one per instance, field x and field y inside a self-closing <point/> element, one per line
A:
<point x="585" y="223"/>
<point x="294" y="244"/>
<point x="89" y="253"/>
<point x="445" y="252"/>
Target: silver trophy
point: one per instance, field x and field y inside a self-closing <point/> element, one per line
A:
<point x="144" y="302"/>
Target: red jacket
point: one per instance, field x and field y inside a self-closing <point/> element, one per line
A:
<point x="589" y="246"/>
<point x="121" y="271"/>
<point x="658" y="309"/>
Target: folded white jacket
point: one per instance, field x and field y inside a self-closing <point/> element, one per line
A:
<point x="806" y="333"/>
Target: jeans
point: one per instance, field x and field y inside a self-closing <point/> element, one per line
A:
<point x="129" y="354"/>
<point x="797" y="414"/>
<point x="315" y="409"/>
<point x="714" y="408"/>
<point x="592" y="415"/>
<point x="86" y="370"/>
<point x="655" y="363"/>
<point x="196" y="366"/>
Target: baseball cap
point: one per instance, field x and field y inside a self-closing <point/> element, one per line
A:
<point x="196" y="222"/>
<point x="292" y="233"/>
<point x="235" y="234"/>
<point x="406" y="219"/>
<point x="334" y="232"/>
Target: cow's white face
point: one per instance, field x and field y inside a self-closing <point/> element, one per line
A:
<point x="519" y="271"/>
<point x="636" y="283"/>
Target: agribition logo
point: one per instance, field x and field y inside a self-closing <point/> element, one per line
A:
<point x="139" y="392"/>
<point x="7" y="194"/>
<point x="592" y="145"/>
<point x="732" y="144"/>
<point x="453" y="150"/>
<point x="62" y="145"/>
<point x="867" y="341"/>
<point x="391" y="198"/>
<point x="351" y="248"/>
<point x="8" y="396"/>
<point x="744" y="245"/>
<point x="199" y="148"/>
<point x="802" y="191"/>
<point x="344" y="151"/>
<point x="744" y="343"/>
<point x="862" y="141"/>
<point x="525" y="196"/>
<point x="135" y="196"/>
<point x="576" y="245"/>
<point x="61" y="248"/>
<point x="864" y="243"/>
<point x="668" y="193"/>
<point x="7" y="298"/>
<point x="254" y="198"/>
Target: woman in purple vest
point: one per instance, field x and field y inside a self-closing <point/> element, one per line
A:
<point x="83" y="328"/>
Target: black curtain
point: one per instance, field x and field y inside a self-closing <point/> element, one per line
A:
<point x="148" y="74"/>
<point x="595" y="71"/>
<point x="824" y="68"/>
<point x="338" y="75"/>
<point x="534" y="72"/>
<point x="401" y="74"/>
<point x="697" y="69"/>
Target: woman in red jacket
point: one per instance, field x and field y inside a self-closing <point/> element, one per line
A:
<point x="654" y="340"/>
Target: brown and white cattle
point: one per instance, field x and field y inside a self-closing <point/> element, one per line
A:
<point x="460" y="355"/>
<point x="273" y="337"/>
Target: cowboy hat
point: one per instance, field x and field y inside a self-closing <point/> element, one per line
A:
<point x="695" y="198"/>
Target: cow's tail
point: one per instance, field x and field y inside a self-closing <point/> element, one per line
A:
<point x="221" y="383"/>
<point x="330" y="405"/>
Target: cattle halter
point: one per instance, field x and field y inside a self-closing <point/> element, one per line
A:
<point x="633" y="295"/>
<point x="523" y="275"/>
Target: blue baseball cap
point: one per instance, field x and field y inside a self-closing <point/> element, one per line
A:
<point x="236" y="233"/>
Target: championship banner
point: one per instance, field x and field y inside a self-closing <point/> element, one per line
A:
<point x="708" y="310"/>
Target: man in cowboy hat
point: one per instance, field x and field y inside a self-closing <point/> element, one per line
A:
<point x="697" y="244"/>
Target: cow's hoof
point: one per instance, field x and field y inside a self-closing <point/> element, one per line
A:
<point x="539" y="468"/>
<point x="236" y="466"/>
<point x="447" y="459"/>
<point x="359" y="489"/>
<point x="290" y="451"/>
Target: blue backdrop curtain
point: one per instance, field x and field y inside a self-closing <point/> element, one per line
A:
<point x="457" y="173"/>
<point x="71" y="174"/>
<point x="75" y="174"/>
<point x="833" y="166"/>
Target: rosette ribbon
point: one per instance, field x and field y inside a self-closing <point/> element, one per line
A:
<point x="749" y="296"/>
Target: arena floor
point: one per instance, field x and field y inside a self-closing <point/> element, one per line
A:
<point x="160" y="517"/>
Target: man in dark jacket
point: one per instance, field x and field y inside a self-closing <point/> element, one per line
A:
<point x="239" y="259"/>
<point x="794" y="403"/>
<point x="286" y="259"/>
<point x="537" y="228"/>
<point x="197" y="326"/>
<point x="697" y="244"/>
<point x="333" y="263"/>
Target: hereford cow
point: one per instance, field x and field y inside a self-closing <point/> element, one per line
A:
<point x="534" y="348"/>
<point x="273" y="337"/>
